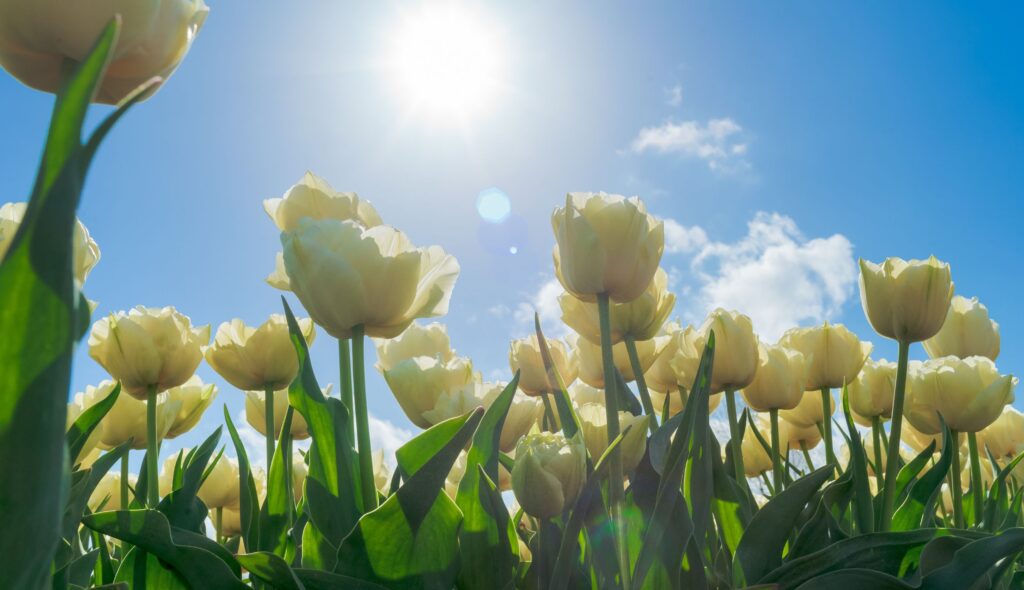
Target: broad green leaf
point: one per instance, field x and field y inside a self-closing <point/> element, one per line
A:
<point x="997" y="493"/>
<point x="76" y="573"/>
<point x="271" y="569"/>
<point x="566" y="414"/>
<point x="87" y="480"/>
<point x="973" y="560"/>
<point x="856" y="579"/>
<point x="919" y="504"/>
<point x="909" y="472"/>
<point x="319" y="580"/>
<point x="277" y="509"/>
<point x="140" y="570"/>
<point x="248" y="499"/>
<point x="863" y="509"/>
<point x="731" y="504"/>
<point x="84" y="426"/>
<point x="181" y="507"/>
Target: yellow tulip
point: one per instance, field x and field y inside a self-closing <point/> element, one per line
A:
<point x="256" y="413"/>
<point x="1004" y="438"/>
<point x="231" y="518"/>
<point x="661" y="377"/>
<point x="906" y="300"/>
<point x="639" y="319"/>
<point x="606" y="244"/>
<point x="594" y="425"/>
<point x="919" y="441"/>
<point x="418" y="383"/>
<point x="780" y="379"/>
<point x="522" y="415"/>
<point x="549" y="473"/>
<point x="106" y="497"/>
<point x="795" y="438"/>
<point x="756" y="459"/>
<point x="871" y="393"/>
<point x="221" y="488"/>
<point x="348" y="276"/>
<point x="299" y="472"/>
<point x="381" y="473"/>
<point x="127" y="417"/>
<point x="313" y="197"/>
<point x="581" y="394"/>
<point x="969" y="394"/>
<point x="148" y="347"/>
<point x="459" y="402"/>
<point x="38" y="36"/>
<point x="417" y="340"/>
<point x="967" y="331"/>
<point x="257" y="358"/>
<point x="85" y="251"/>
<point x="194" y="397"/>
<point x="524" y="356"/>
<point x="736" y="351"/>
<point x="809" y="411"/>
<point x="835" y="354"/>
<point x="676" y="403"/>
<point x="592" y="363"/>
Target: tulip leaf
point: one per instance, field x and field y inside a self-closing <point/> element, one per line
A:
<point x="909" y="472"/>
<point x="181" y="506"/>
<point x="84" y="426"/>
<point x="321" y="580"/>
<point x="84" y="483"/>
<point x="271" y="569"/>
<point x="277" y="509"/>
<point x="566" y="414"/>
<point x="411" y="540"/>
<point x="78" y="572"/>
<point x="863" y="509"/>
<point x="919" y="503"/>
<point x="200" y="561"/>
<point x="973" y="560"/>
<point x="248" y="499"/>
<point x="487" y="538"/>
<point x="731" y="504"/>
<point x="997" y="493"/>
<point x="854" y="578"/>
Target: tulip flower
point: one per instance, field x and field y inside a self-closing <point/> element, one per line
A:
<point x="314" y="198"/>
<point x="459" y="402"/>
<point x="967" y="331"/>
<point x="381" y="473"/>
<point x="429" y="340"/>
<point x="194" y="398"/>
<point x="418" y="383"/>
<point x="592" y="366"/>
<point x="522" y="415"/>
<point x="639" y="319"/>
<point x="127" y="418"/>
<point x="756" y="460"/>
<point x="580" y="393"/>
<point x="594" y="425"/>
<point x="779" y="381"/>
<point x="803" y="438"/>
<point x="85" y="251"/>
<point x="677" y="401"/>
<point x="969" y="394"/>
<point x="106" y="497"/>
<point x="809" y="411"/>
<point x="606" y="244"/>
<point x="227" y="521"/>
<point x="661" y="377"/>
<point x="299" y="471"/>
<point x="1004" y="438"/>
<point x="871" y="392"/>
<point x="524" y="356"/>
<point x="260" y="358"/>
<point x="37" y="37"/>
<point x="549" y="473"/>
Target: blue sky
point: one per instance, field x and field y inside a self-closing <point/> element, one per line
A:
<point x="783" y="141"/>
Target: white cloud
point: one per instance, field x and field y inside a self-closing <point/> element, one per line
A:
<point x="500" y="310"/>
<point x="674" y="96"/>
<point x="717" y="142"/>
<point x="386" y="436"/>
<point x="773" y="274"/>
<point x="682" y="239"/>
<point x="545" y="303"/>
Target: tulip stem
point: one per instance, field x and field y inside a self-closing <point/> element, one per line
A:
<point x="641" y="383"/>
<point x="218" y="522"/>
<point x="362" y="420"/>
<point x="152" y="449"/>
<point x="892" y="463"/>
<point x="826" y="426"/>
<point x="268" y="415"/>
<point x="807" y="456"/>
<point x="977" y="493"/>
<point x="776" y="458"/>
<point x="958" y="493"/>
<point x="615" y="477"/>
<point x="735" y="440"/>
<point x="876" y="428"/>
<point x="345" y="373"/>
<point x="124" y="481"/>
<point x="549" y="413"/>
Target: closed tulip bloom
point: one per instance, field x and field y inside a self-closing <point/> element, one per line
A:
<point x="794" y="437"/>
<point x="736" y="359"/>
<point x="967" y="331"/>
<point x="906" y="300"/>
<point x="836" y="354"/>
<point x="1004" y="438"/>
<point x="257" y="358"/>
<point x="677" y="402"/>
<point x="524" y="412"/>
<point x="809" y="411"/>
<point x="256" y="413"/>
<point x="780" y="380"/>
<point x="592" y="364"/>
<point x="38" y="36"/>
<point x="418" y="383"/>
<point x="106" y="497"/>
<point x="581" y="394"/>
<point x="686" y="347"/>
<point x="756" y="459"/>
<point x="348" y="276"/>
<point x="417" y="340"/>
<point x="640" y="319"/>
<point x="969" y="394"/>
<point x="594" y="425"/>
<point x="871" y="393"/>
<point x="381" y="473"/>
<point x="126" y="419"/>
<point x="661" y="377"/>
<point x="524" y="356"/>
<point x="606" y="244"/>
<point x="313" y="197"/>
<point x="221" y="489"/>
<point x="459" y="402"/>
<point x="148" y="347"/>
<point x="919" y="441"/>
<point x="549" y="473"/>
<point x="194" y="397"/>
<point x="85" y="251"/>
<point x="279" y="278"/>
<point x="299" y="472"/>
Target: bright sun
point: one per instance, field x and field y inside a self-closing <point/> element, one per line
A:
<point x="446" y="62"/>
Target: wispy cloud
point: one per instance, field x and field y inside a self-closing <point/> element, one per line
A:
<point x="545" y="302"/>
<point x="674" y="96"/>
<point x="718" y="142"/>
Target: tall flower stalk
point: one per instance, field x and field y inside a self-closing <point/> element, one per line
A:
<point x="615" y="477"/>
<point x="895" y="431"/>
<point x="362" y="419"/>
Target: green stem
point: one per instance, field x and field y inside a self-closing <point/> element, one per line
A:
<point x="615" y="477"/>
<point x="345" y="373"/>
<point x="892" y="463"/>
<point x="768" y="485"/>
<point x="876" y="433"/>
<point x="268" y="415"/>
<point x="734" y="439"/>
<point x="776" y="458"/>
<point x="954" y="479"/>
<point x="218" y="522"/>
<point x="641" y="384"/>
<point x="152" y="449"/>
<point x="807" y="457"/>
<point x="826" y="426"/>
<point x="362" y="420"/>
<point x="977" y="494"/>
<point x="550" y="424"/>
<point x="124" y="481"/>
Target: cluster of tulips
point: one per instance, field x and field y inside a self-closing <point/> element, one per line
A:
<point x="604" y="438"/>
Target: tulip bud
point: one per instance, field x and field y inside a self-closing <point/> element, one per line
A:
<point x="256" y="413"/>
<point x="906" y="300"/>
<point x="85" y="251"/>
<point x="221" y="488"/>
<point x="967" y="331"/>
<point x="592" y="363"/>
<point x="549" y="473"/>
<point x="524" y="356"/>
<point x="106" y="497"/>
<point x="459" y="402"/>
<point x="417" y="340"/>
<point x="686" y="347"/>
<point x="834" y="353"/>
<point x="348" y="276"/>
<point x="756" y="459"/>
<point x="1004" y="438"/>
<point x="640" y="319"/>
<point x="736" y="352"/>
<point x="126" y="419"/>
<point x="871" y="393"/>
<point x="257" y="358"/>
<point x="969" y="394"/>
<point x="148" y="347"/>
<point x="661" y="377"/>
<point x="418" y="383"/>
<point x="313" y="197"/>
<point x="606" y="244"/>
<point x="809" y="411"/>
<point x="194" y="397"/>
<point x="795" y="437"/>
<point x="779" y="381"/>
<point x="594" y="425"/>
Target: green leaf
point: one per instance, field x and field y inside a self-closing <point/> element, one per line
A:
<point x="271" y="569"/>
<point x="731" y="504"/>
<point x="919" y="505"/>
<point x="277" y="509"/>
<point x="84" y="426"/>
<point x="487" y="538"/>
<point x="76" y="573"/>
<point x="760" y="549"/>
<point x="863" y="509"/>
<point x="320" y="580"/>
<point x="87" y="480"/>
<point x="200" y="561"/>
<point x="566" y="414"/>
<point x="972" y="561"/>
<point x="181" y="507"/>
<point x="909" y="472"/>
<point x="411" y="540"/>
<point x="855" y="579"/>
<point x="997" y="493"/>
<point x="248" y="499"/>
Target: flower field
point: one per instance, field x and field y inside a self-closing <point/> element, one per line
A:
<point x="596" y="466"/>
